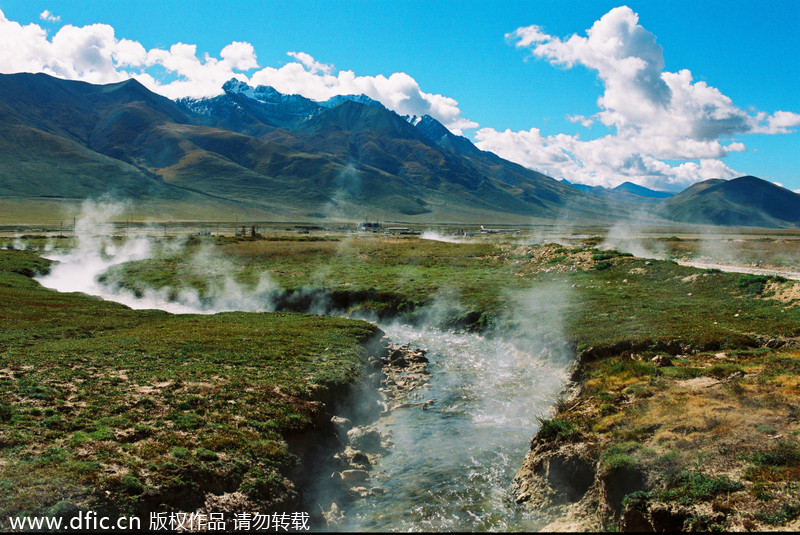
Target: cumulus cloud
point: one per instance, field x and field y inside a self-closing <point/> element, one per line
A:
<point x="591" y="162"/>
<point x="310" y="63"/>
<point x="94" y="54"/>
<point x="779" y="122"/>
<point x="398" y="92"/>
<point x="49" y="17"/>
<point x="655" y="115"/>
<point x="582" y="119"/>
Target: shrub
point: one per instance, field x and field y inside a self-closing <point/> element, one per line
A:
<point x="783" y="454"/>
<point x="556" y="429"/>
<point x="691" y="487"/>
<point x="631" y="368"/>
<point x="722" y="370"/>
<point x="683" y="372"/>
<point x="786" y="513"/>
<point x="618" y="456"/>
<point x="131" y="485"/>
<point x="637" y="500"/>
<point x="755" y="284"/>
<point x="603" y="256"/>
<point x="206" y="455"/>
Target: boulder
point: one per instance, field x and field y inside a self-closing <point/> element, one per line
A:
<point x="354" y="475"/>
<point x="661" y="361"/>
<point x="342" y="425"/>
<point x="357" y="457"/>
<point x="365" y="439"/>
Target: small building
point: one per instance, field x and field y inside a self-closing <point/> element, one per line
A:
<point x="369" y="226"/>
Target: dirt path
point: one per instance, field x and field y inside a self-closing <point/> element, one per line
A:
<point x="794" y="275"/>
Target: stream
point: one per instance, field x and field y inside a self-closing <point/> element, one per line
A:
<point x="450" y="467"/>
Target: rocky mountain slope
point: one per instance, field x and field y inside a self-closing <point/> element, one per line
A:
<point x="258" y="152"/>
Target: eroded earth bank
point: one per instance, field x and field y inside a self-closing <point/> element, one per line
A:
<point x="671" y="437"/>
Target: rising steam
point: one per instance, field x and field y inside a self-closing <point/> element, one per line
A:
<point x="82" y="268"/>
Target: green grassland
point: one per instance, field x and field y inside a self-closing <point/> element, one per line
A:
<point x="609" y="297"/>
<point x="149" y="406"/>
<point x="120" y="410"/>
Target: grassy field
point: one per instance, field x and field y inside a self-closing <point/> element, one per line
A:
<point x="148" y="406"/>
<point x="118" y="410"/>
<point x="608" y="297"/>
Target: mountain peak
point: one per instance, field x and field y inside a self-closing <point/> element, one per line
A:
<point x="441" y="135"/>
<point x="432" y="128"/>
<point x="261" y="93"/>
<point x="360" y="99"/>
<point x="636" y="189"/>
<point x="269" y="95"/>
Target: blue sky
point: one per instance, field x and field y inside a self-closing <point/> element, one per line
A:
<point x="704" y="99"/>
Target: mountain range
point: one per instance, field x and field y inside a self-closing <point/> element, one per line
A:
<point x="254" y="153"/>
<point x="627" y="191"/>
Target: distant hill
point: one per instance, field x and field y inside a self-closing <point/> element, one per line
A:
<point x="744" y="201"/>
<point x="641" y="191"/>
<point x="625" y="192"/>
<point x="256" y="152"/>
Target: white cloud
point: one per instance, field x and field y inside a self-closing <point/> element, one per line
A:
<point x="591" y="162"/>
<point x="310" y="63"/>
<point x="779" y="122"/>
<point x="399" y="92"/>
<point x="94" y="54"/>
<point x="655" y="115"/>
<point x="49" y="17"/>
<point x="582" y="119"/>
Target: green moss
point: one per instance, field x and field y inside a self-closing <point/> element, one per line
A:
<point x="784" y="514"/>
<point x="619" y="456"/>
<point x="722" y="370"/>
<point x="204" y="454"/>
<point x="131" y="485"/>
<point x="690" y="487"/>
<point x="180" y="452"/>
